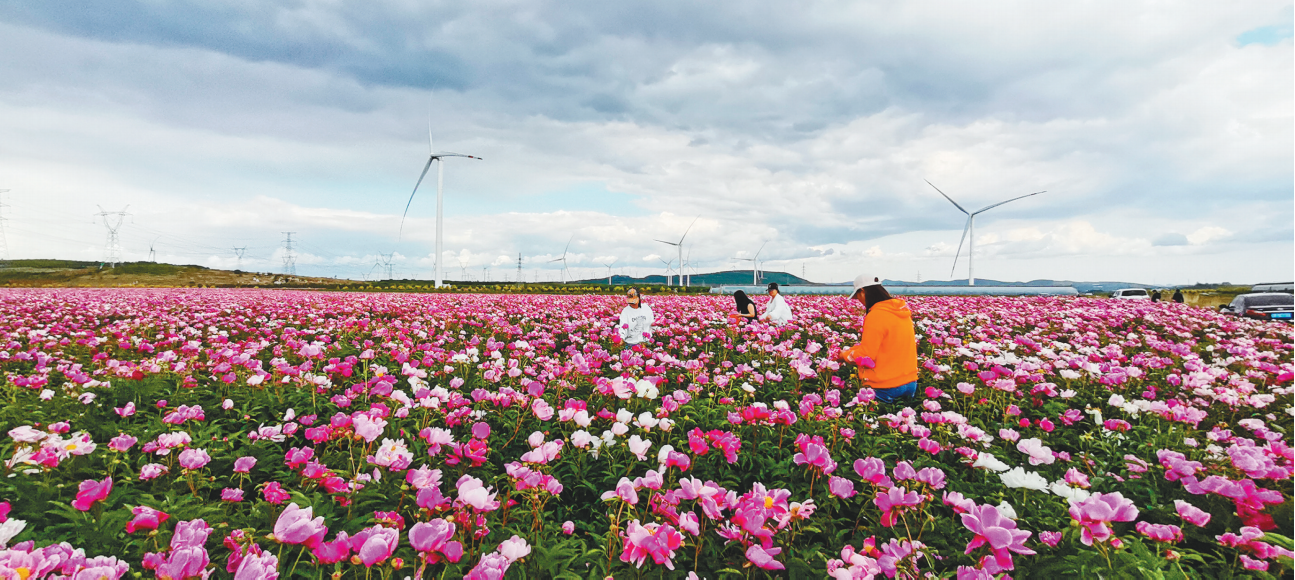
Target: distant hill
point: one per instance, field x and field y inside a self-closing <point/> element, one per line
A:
<point x="726" y="278"/>
<point x="79" y="274"/>
<point x="1081" y="287"/>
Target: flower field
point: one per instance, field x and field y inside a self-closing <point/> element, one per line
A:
<point x="262" y="434"/>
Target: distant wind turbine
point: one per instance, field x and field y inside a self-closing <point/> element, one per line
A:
<point x="667" y="269"/>
<point x="679" y="246"/>
<point x="563" y="259"/>
<point x="755" y="265"/>
<point x="609" y="271"/>
<point x="971" y="227"/>
<point x="440" y="197"/>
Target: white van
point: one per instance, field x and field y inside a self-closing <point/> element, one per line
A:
<point x="1131" y="294"/>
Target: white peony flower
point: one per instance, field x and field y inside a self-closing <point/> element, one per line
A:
<point x="988" y="461"/>
<point x="1019" y="477"/>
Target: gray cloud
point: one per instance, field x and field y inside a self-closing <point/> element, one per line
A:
<point x="806" y="128"/>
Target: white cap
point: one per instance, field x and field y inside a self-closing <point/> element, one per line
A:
<point x="863" y="280"/>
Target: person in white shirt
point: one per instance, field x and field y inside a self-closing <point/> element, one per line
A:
<point x="777" y="311"/>
<point x="636" y="319"/>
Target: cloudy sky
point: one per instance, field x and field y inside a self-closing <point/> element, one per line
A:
<point x="1161" y="132"/>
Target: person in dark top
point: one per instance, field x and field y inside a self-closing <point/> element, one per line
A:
<point x="1178" y="295"/>
<point x="1155" y="296"/>
<point x="746" y="310"/>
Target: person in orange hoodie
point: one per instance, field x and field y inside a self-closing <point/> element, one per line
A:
<point x="887" y="351"/>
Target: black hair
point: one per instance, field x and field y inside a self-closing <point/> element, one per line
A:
<point x="874" y="294"/>
<point x="742" y="301"/>
<point x="637" y="294"/>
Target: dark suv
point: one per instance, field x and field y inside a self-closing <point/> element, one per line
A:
<point x="1263" y="306"/>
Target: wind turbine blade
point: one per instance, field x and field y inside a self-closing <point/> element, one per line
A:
<point x="411" y="195"/>
<point x="431" y="146"/>
<point x="983" y="209"/>
<point x="757" y="252"/>
<point x="448" y="154"/>
<point x="665" y="242"/>
<point x="955" y="204"/>
<point x="564" y="250"/>
<point x="960" y="240"/>
<point x="685" y="232"/>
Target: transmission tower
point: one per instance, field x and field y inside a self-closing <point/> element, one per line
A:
<point x="238" y="254"/>
<point x="289" y="258"/>
<point x="113" y="251"/>
<point x="385" y="260"/>
<point x="4" y="243"/>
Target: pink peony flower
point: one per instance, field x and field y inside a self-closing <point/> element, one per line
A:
<point x="92" y="491"/>
<point x="841" y="487"/>
<point x="296" y="526"/>
<point x="374" y="545"/>
<point x="1191" y="514"/>
<point x="764" y="558"/>
<point x="193" y="459"/>
<point x="274" y="493"/>
<point x="122" y="442"/>
<point x="145" y="518"/>
<point x="1094" y="513"/>
<point x="991" y="527"/>
<point x="244" y="464"/>
<point x="435" y="539"/>
<point x="1160" y="532"/>
<point x="231" y="494"/>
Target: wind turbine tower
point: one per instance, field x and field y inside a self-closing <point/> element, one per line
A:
<point x="439" y="158"/>
<point x="520" y="281"/>
<point x="289" y="258"/>
<point x="971" y="227"/>
<point x="679" y="246"/>
<point x="113" y="251"/>
<point x="755" y="265"/>
<point x="609" y="271"/>
<point x="563" y="259"/>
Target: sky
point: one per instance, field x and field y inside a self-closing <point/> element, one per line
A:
<point x="1160" y="132"/>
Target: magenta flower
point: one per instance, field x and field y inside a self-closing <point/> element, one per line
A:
<point x="656" y="541"/>
<point x="296" y="526"/>
<point x="840" y="487"/>
<point x="335" y="551"/>
<point x="244" y="464"/>
<point x="1160" y="532"/>
<point x="92" y="491"/>
<point x="193" y="459"/>
<point x="893" y="502"/>
<point x="473" y="492"/>
<point x="145" y="518"/>
<point x="231" y="494"/>
<point x="151" y="471"/>
<point x="122" y="442"/>
<point x="872" y="470"/>
<point x="375" y="544"/>
<point x="274" y="493"/>
<point x="1094" y="513"/>
<point x="435" y="539"/>
<point x="991" y="527"/>
<point x="481" y="430"/>
<point x="624" y="490"/>
<point x="260" y="566"/>
<point x="1191" y="514"/>
<point x="764" y="558"/>
<point x="1050" y="538"/>
<point x="569" y="527"/>
<point x="817" y="457"/>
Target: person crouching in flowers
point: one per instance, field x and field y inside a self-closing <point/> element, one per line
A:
<point x="636" y="319"/>
<point x="746" y="309"/>
<point x="887" y="351"/>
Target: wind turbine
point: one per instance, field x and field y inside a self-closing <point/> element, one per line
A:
<point x="667" y="269"/>
<point x="971" y="227"/>
<point x="609" y="271"/>
<point x="679" y="246"/>
<point x="440" y="197"/>
<point x="563" y="259"/>
<point x="755" y="265"/>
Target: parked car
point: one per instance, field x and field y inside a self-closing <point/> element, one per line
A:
<point x="1287" y="287"/>
<point x="1131" y="294"/>
<point x="1275" y="306"/>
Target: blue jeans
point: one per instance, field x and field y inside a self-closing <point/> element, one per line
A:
<point x="897" y="393"/>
